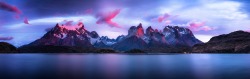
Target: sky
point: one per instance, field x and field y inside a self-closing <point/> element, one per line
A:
<point x="23" y="21"/>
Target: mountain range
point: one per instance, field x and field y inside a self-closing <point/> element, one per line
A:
<point x="170" y="38"/>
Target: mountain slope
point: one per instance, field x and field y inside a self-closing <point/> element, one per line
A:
<point x="7" y="48"/>
<point x="132" y="42"/>
<point x="235" y="42"/>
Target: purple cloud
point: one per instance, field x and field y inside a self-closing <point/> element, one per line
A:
<point x="26" y="21"/>
<point x="207" y="28"/>
<point x="196" y="25"/>
<point x="69" y="23"/>
<point x="163" y="17"/>
<point x="199" y="26"/>
<point x="88" y="11"/>
<point x="106" y="18"/>
<point x="7" y="7"/>
<point x="6" y="38"/>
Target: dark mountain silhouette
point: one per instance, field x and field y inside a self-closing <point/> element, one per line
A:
<point x="7" y="48"/>
<point x="235" y="42"/>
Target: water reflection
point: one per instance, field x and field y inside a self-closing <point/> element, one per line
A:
<point x="202" y="66"/>
<point x="118" y="66"/>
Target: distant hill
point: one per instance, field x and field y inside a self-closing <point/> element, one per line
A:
<point x="7" y="48"/>
<point x="235" y="42"/>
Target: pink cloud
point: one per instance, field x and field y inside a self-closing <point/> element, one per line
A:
<point x="80" y="23"/>
<point x="163" y="17"/>
<point x="26" y="21"/>
<point x="88" y="11"/>
<point x="69" y="23"/>
<point x="6" y="38"/>
<point x="199" y="26"/>
<point x="195" y="25"/>
<point x="247" y="30"/>
<point x="17" y="16"/>
<point x="7" y="7"/>
<point x="168" y="21"/>
<point x="207" y="28"/>
<point x="106" y="18"/>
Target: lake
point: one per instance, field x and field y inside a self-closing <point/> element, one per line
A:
<point x="125" y="66"/>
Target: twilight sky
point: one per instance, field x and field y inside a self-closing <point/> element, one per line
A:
<point x="23" y="21"/>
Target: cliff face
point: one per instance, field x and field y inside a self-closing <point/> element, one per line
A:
<point x="235" y="42"/>
<point x="134" y="39"/>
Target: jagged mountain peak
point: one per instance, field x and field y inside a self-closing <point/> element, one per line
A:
<point x="94" y="34"/>
<point x="57" y="25"/>
<point x="149" y="31"/>
<point x="149" y="27"/>
<point x="156" y="30"/>
<point x="59" y="29"/>
<point x="79" y="26"/>
<point x="140" y="31"/>
<point x="136" y="31"/>
<point x="139" y="26"/>
<point x="132" y="27"/>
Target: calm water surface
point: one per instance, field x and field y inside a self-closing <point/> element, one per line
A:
<point x="121" y="66"/>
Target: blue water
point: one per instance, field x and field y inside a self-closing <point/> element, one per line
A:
<point x="121" y="66"/>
